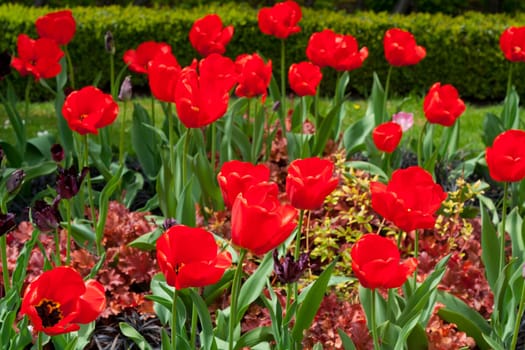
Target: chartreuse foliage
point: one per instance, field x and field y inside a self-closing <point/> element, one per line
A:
<point x="462" y="51"/>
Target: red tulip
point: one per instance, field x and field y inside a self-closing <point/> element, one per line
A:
<point x="59" y="299"/>
<point x="304" y="77"/>
<point x="512" y="43"/>
<point x="254" y="75"/>
<point x="442" y="105"/>
<point x="376" y="263"/>
<point x="163" y="75"/>
<point x="237" y="177"/>
<point x="40" y="57"/>
<point x="59" y="26"/>
<point x="401" y="48"/>
<point x="309" y="181"/>
<point x="339" y="51"/>
<point x="259" y="221"/>
<point x="386" y="136"/>
<point x="89" y="109"/>
<point x="190" y="257"/>
<point x="139" y="59"/>
<point x="202" y="97"/>
<point x="506" y="157"/>
<point x="207" y="35"/>
<point x="280" y="20"/>
<point x="410" y="199"/>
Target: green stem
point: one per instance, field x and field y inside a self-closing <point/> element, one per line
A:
<point x="112" y="76"/>
<point x="122" y="128"/>
<point x="518" y="319"/>
<point x="236" y="286"/>
<point x="174" y="321"/>
<point x="68" y="223"/>
<point x="39" y="341"/>
<point x="283" y="87"/>
<point x="420" y="145"/>
<point x="213" y="147"/>
<point x="509" y="79"/>
<point x="387" y="87"/>
<point x="502" y="233"/>
<point x="185" y="151"/>
<point x="56" y="236"/>
<point x="5" y="271"/>
<point x="298" y="236"/>
<point x="373" y="321"/>
<point x="153" y="110"/>
<point x="89" y="187"/>
<point x="193" y="325"/>
<point x="70" y="67"/>
<point x="416" y="254"/>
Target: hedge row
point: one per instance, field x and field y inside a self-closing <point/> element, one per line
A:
<point x="463" y="51"/>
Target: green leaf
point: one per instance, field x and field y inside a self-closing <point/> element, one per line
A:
<point x="145" y="142"/>
<point x="308" y="308"/>
<point x="514" y="226"/>
<point x="147" y="241"/>
<point x="492" y="127"/>
<point x="339" y="99"/>
<point x="323" y="131"/>
<point x="103" y="204"/>
<point x="347" y="342"/>
<point x="254" y="337"/>
<point x="510" y="116"/>
<point x="185" y="213"/>
<point x="489" y="248"/>
<point x="253" y="286"/>
<point x="132" y="334"/>
<point x="405" y="332"/>
<point x="207" y="180"/>
<point x="369" y="167"/>
<point x="417" y="339"/>
<point x="204" y="316"/>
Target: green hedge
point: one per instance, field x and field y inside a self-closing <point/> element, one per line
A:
<point x="463" y="51"/>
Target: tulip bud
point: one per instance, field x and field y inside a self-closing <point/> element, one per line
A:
<point x="1" y="155"/>
<point x="69" y="181"/>
<point x="169" y="222"/>
<point x="15" y="181"/>
<point x="7" y="223"/>
<point x="57" y="152"/>
<point x="125" y="89"/>
<point x="5" y="64"/>
<point x="109" y="43"/>
<point x="276" y="105"/>
<point x="288" y="270"/>
<point x="46" y="217"/>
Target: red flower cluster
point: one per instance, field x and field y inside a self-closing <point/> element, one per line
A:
<point x="280" y="20"/>
<point x="512" y="44"/>
<point x="376" y="263"/>
<point x="254" y="75"/>
<point x="387" y="136"/>
<point x="304" y="78"/>
<point x="207" y="35"/>
<point x="190" y="257"/>
<point x="59" y="299"/>
<point x="163" y="74"/>
<point x="339" y="51"/>
<point x="401" y="48"/>
<point x="506" y="157"/>
<point x="442" y="105"/>
<point x="410" y="199"/>
<point x="139" y="59"/>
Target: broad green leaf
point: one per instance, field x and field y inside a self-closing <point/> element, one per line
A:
<point x="253" y="286"/>
<point x="489" y="248"/>
<point x="405" y="332"/>
<point x="323" y="132"/>
<point x="145" y="142"/>
<point x="103" y="205"/>
<point x="372" y="169"/>
<point x="205" y="319"/>
<point x="185" y="213"/>
<point x="514" y="226"/>
<point x="492" y="127"/>
<point x="347" y="342"/>
<point x="147" y="241"/>
<point x="510" y="116"/>
<point x="417" y="339"/>
<point x="132" y="334"/>
<point x="254" y="337"/>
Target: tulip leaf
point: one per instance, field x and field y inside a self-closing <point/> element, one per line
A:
<point x="407" y="328"/>
<point x="323" y="132"/>
<point x="185" y="213"/>
<point x="145" y="142"/>
<point x="165" y="339"/>
<point x="252" y="288"/>
<point x="147" y="241"/>
<point x="308" y="308"/>
<point x="134" y="335"/>
<point x="417" y="338"/>
<point x="339" y="99"/>
<point x="10" y="101"/>
<point x="514" y="226"/>
<point x="489" y="251"/>
<point x="207" y="181"/>
<point x="492" y="127"/>
<point x="347" y="342"/>
<point x="103" y="205"/>
<point x="372" y="169"/>
<point x="12" y="154"/>
<point x="254" y="337"/>
<point x="510" y="115"/>
<point x="204" y="316"/>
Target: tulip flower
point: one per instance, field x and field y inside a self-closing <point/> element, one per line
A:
<point x="405" y="119"/>
<point x="254" y="75"/>
<point x="512" y="44"/>
<point x="304" y="78"/>
<point x="280" y="20"/>
<point x="442" y="105"/>
<point x="410" y="199"/>
<point x="401" y="48"/>
<point x="59" y="26"/>
<point x="7" y="223"/>
<point x="386" y="136"/>
<point x="69" y="181"/>
<point x="237" y="177"/>
<point x="506" y="157"/>
<point x="40" y="58"/>
<point x="208" y="35"/>
<point x="139" y="59"/>
<point x="57" y="152"/>
<point x="309" y="182"/>
<point x="338" y="51"/>
<point x="59" y="300"/>
<point x="45" y="216"/>
<point x="259" y="221"/>
<point x="89" y="109"/>
<point x="376" y="263"/>
<point x="190" y="257"/>
<point x="287" y="269"/>
<point x="14" y="181"/>
<point x="163" y="74"/>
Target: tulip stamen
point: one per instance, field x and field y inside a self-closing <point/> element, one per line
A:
<point x="49" y="312"/>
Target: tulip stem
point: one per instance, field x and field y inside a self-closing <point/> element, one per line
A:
<point x="416" y="254"/>
<point x="122" y="128"/>
<point x="89" y="188"/>
<point x="174" y="320"/>
<point x="39" y="341"/>
<point x="5" y="270"/>
<point x="57" y="247"/>
<point x="70" y="67"/>
<point x="185" y="151"/>
<point x="373" y="321"/>
<point x="213" y="147"/>
<point x="387" y="87"/>
<point x="509" y="79"/>
<point x="193" y="325"/>
<point x="68" y="223"/>
<point x="519" y="316"/>
<point x="420" y="145"/>
<point x="502" y="233"/>
<point x="236" y="285"/>
<point x="153" y="111"/>
<point x="112" y="75"/>
<point x="283" y="88"/>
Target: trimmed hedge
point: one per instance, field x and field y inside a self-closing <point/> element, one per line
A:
<point x="463" y="51"/>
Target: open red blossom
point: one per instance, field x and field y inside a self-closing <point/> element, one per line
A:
<point x="208" y="35"/>
<point x="259" y="221"/>
<point x="138" y="60"/>
<point x="163" y="75"/>
<point x="59" y="26"/>
<point x="304" y="78"/>
<point x="190" y="257"/>
<point x="338" y="51"/>
<point x="386" y="136"/>
<point x="442" y="104"/>
<point x="401" y="48"/>
<point x="280" y="20"/>
<point x="89" y="109"/>
<point x="512" y="43"/>
<point x="506" y="157"/>
<point x="202" y="96"/>
<point x="254" y="75"/>
<point x="237" y="177"/>
<point x="309" y="181"/>
<point x="40" y="57"/>
<point x="410" y="200"/>
<point x="376" y="263"/>
<point x="59" y="299"/>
